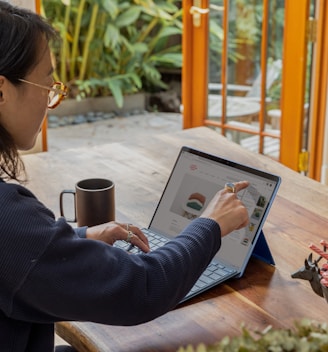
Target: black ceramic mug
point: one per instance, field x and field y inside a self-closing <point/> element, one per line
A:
<point x="94" y="202"/>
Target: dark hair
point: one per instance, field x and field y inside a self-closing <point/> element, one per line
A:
<point x="21" y="31"/>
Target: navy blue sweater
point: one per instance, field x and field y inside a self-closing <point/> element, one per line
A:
<point x="49" y="272"/>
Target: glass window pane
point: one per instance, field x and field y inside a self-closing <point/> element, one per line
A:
<point x="243" y="69"/>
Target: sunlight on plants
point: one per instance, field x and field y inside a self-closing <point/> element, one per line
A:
<point x="114" y="47"/>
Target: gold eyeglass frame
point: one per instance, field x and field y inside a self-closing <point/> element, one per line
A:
<point x="61" y="92"/>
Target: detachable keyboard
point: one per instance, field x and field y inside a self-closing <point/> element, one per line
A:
<point x="213" y="274"/>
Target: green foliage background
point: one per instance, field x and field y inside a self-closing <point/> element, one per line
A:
<point x="307" y="336"/>
<point x="112" y="47"/>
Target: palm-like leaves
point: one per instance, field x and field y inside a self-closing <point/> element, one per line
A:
<point x="114" y="47"/>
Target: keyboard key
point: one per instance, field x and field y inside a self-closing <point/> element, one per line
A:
<point x="213" y="273"/>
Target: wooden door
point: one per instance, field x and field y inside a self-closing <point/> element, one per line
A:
<point x="269" y="121"/>
<point x="195" y="68"/>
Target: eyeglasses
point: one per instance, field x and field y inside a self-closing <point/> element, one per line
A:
<point x="57" y="92"/>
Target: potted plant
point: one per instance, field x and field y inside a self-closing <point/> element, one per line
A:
<point x="114" y="47"/>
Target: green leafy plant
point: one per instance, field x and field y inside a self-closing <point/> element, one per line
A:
<point x="112" y="47"/>
<point x="307" y="336"/>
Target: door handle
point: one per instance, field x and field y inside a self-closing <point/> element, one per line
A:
<point x="196" y="13"/>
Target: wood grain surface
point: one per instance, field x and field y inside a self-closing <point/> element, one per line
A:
<point x="265" y="295"/>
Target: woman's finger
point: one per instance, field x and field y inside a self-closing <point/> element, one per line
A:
<point x="136" y="237"/>
<point x="135" y="241"/>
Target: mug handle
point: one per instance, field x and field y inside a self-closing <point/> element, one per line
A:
<point x="61" y="202"/>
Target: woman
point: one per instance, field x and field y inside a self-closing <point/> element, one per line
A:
<point x="48" y="270"/>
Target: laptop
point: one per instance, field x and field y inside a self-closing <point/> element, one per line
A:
<point x="194" y="180"/>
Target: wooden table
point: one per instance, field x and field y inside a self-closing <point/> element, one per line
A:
<point x="265" y="295"/>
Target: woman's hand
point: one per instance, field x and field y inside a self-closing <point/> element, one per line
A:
<point x="114" y="231"/>
<point x="227" y="210"/>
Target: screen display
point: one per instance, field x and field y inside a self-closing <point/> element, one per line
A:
<point x="195" y="179"/>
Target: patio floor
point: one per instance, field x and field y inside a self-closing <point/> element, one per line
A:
<point x="116" y="129"/>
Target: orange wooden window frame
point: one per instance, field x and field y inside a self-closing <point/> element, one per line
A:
<point x="195" y="67"/>
<point x="44" y="139"/>
<point x="319" y="94"/>
<point x="195" y="72"/>
<point x="293" y="81"/>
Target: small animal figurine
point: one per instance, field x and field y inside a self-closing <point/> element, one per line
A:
<point x="311" y="272"/>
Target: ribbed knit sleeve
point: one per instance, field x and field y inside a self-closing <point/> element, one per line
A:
<point x="48" y="273"/>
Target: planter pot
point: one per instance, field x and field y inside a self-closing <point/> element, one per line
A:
<point x="101" y="104"/>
